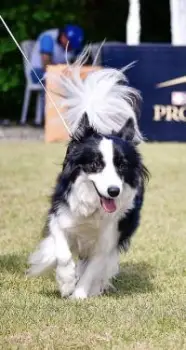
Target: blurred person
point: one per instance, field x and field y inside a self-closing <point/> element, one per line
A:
<point x="50" y="48"/>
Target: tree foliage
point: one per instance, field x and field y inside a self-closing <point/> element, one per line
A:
<point x="27" y="20"/>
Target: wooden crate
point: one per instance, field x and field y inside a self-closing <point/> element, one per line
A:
<point x="54" y="128"/>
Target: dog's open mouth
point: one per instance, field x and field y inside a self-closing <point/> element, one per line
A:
<point x="108" y="204"/>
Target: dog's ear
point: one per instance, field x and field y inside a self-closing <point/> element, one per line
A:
<point x="82" y="128"/>
<point x="127" y="132"/>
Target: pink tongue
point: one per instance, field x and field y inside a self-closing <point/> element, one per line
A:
<point x="108" y="205"/>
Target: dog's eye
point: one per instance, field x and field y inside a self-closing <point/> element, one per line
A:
<point x="94" y="163"/>
<point x="122" y="167"/>
<point x="97" y="163"/>
<point x="120" y="164"/>
<point x="96" y="166"/>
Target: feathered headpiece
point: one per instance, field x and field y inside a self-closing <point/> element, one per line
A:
<point x="103" y="95"/>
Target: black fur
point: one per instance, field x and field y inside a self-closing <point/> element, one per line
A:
<point x="128" y="224"/>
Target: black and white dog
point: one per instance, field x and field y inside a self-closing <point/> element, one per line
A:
<point x="96" y="204"/>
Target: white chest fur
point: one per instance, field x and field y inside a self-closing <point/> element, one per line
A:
<point x="86" y="225"/>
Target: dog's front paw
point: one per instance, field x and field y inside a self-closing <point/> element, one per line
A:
<point x="96" y="290"/>
<point x="66" y="289"/>
<point x="66" y="278"/>
<point x="101" y="288"/>
<point x="79" y="293"/>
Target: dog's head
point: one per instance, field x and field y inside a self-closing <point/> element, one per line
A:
<point x="109" y="162"/>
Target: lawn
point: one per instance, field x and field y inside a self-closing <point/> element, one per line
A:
<point x="147" y="312"/>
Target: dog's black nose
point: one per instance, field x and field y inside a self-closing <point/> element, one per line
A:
<point x="113" y="191"/>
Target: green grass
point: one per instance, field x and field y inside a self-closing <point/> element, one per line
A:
<point x="149" y="309"/>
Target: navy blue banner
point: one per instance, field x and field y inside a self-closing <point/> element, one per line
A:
<point x="160" y="74"/>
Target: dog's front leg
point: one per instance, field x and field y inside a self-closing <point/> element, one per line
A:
<point x="65" y="266"/>
<point x="94" y="268"/>
<point x="100" y="268"/>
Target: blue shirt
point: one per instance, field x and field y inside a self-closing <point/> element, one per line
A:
<point x="47" y="44"/>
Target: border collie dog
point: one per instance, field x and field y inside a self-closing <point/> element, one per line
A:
<point x="96" y="203"/>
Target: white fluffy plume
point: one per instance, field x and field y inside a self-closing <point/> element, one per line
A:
<point x="103" y="95"/>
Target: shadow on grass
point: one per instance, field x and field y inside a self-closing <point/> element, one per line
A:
<point x="133" y="278"/>
<point x="51" y="294"/>
<point x="13" y="263"/>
